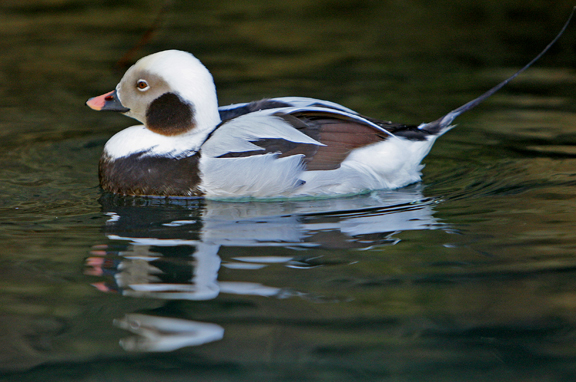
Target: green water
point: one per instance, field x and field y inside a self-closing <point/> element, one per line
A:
<point x="467" y="276"/>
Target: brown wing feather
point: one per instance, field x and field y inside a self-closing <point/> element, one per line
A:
<point x="338" y="133"/>
<point x="340" y="138"/>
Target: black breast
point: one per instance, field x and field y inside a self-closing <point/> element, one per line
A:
<point x="138" y="174"/>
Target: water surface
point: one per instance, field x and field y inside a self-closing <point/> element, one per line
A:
<point x="467" y="276"/>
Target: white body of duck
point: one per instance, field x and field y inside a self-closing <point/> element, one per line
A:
<point x="280" y="147"/>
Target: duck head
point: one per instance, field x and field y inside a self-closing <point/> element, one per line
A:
<point x="170" y="92"/>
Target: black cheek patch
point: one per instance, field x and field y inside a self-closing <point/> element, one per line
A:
<point x="170" y="115"/>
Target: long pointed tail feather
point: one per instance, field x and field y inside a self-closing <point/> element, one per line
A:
<point x="442" y="124"/>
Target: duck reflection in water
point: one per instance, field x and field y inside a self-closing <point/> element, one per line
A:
<point x="170" y="249"/>
<point x="163" y="334"/>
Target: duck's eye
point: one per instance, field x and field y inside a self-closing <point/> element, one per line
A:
<point x="142" y="85"/>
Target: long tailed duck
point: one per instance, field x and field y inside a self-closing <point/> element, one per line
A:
<point x="279" y="147"/>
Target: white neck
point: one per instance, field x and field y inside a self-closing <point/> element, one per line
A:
<point x="138" y="139"/>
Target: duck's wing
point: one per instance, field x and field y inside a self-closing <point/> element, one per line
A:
<point x="236" y="110"/>
<point x="322" y="136"/>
